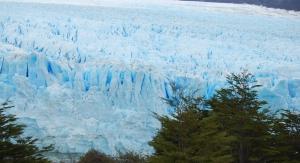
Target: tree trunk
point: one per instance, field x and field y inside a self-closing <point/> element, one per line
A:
<point x="242" y="154"/>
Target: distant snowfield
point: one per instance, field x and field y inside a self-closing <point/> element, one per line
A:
<point x="168" y="3"/>
<point x="89" y="74"/>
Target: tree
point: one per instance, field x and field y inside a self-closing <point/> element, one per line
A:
<point x="241" y="114"/>
<point x="189" y="134"/>
<point x="93" y="156"/>
<point x="232" y="126"/>
<point x="213" y="143"/>
<point x="286" y="134"/>
<point x="14" y="147"/>
<point x="131" y="157"/>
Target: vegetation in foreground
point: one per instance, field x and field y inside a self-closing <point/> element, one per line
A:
<point x="233" y="126"/>
<point x="94" y="156"/>
<point x="14" y="148"/>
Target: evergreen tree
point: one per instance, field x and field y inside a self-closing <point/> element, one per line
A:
<point x="131" y="157"/>
<point x="173" y="142"/>
<point x="241" y="114"/>
<point x="212" y="143"/>
<point x="14" y="147"/>
<point x="94" y="156"/>
<point x="233" y="127"/>
<point x="286" y="133"/>
<point x="189" y="135"/>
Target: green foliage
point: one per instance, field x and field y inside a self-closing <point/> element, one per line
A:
<point x="173" y="142"/>
<point x="241" y="114"/>
<point x="213" y="144"/>
<point x="14" y="147"/>
<point x="94" y="156"/>
<point x="286" y="134"/>
<point x="232" y="126"/>
<point x="186" y="135"/>
<point x="131" y="157"/>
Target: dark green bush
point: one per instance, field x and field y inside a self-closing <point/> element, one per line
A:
<point x="131" y="157"/>
<point x="94" y="156"/>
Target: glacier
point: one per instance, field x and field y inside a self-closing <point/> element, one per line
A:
<point x="87" y="76"/>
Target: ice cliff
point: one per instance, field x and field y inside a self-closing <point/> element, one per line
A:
<point x="86" y="77"/>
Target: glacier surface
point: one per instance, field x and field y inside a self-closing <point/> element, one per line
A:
<point x="91" y="76"/>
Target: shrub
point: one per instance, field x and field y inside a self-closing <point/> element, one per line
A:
<point x="131" y="157"/>
<point x="94" y="156"/>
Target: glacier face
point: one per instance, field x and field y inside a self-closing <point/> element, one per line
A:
<point x="86" y="77"/>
